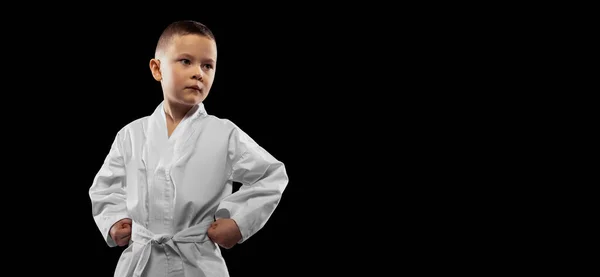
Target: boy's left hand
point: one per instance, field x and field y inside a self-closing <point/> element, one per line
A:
<point x="225" y="232"/>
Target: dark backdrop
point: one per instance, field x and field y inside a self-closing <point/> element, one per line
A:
<point x="313" y="87"/>
<point x="263" y="83"/>
<point x="274" y="79"/>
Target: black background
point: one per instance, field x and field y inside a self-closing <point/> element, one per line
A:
<point x="339" y="96"/>
<point x="299" y="85"/>
<point x="258" y="85"/>
<point x="267" y="77"/>
<point x="405" y="130"/>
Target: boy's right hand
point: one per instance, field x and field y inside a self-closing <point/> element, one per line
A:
<point x="120" y="232"/>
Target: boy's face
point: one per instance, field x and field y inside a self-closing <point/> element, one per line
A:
<point x="186" y="68"/>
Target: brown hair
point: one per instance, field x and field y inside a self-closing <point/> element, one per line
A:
<point x="180" y="28"/>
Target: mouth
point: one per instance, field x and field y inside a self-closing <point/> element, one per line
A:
<point x="195" y="88"/>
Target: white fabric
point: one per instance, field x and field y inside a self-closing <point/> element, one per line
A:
<point x="173" y="188"/>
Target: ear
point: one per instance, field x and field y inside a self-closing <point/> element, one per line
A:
<point x="155" y="69"/>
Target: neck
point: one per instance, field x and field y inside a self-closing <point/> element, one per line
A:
<point x="175" y="111"/>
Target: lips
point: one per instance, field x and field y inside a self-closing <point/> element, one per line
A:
<point x="194" y="87"/>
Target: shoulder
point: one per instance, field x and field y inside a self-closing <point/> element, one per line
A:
<point x="136" y="124"/>
<point x="228" y="128"/>
<point x="234" y="132"/>
<point x="133" y="127"/>
<point x="221" y="124"/>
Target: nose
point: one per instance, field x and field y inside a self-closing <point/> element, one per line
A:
<point x="198" y="74"/>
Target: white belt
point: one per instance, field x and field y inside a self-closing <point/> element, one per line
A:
<point x="141" y="235"/>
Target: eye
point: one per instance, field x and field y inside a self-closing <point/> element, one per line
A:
<point x="208" y="66"/>
<point x="185" y="61"/>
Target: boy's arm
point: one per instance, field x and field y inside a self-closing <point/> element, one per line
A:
<point x="107" y="192"/>
<point x="263" y="180"/>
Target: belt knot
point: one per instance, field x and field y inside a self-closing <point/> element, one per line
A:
<point x="161" y="238"/>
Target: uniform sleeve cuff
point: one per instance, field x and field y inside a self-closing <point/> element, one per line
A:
<point x="109" y="221"/>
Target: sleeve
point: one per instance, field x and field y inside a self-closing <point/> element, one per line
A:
<point x="263" y="180"/>
<point x="107" y="192"/>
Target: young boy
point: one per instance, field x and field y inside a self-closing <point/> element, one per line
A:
<point x="165" y="187"/>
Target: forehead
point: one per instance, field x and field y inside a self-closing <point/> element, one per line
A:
<point x="196" y="45"/>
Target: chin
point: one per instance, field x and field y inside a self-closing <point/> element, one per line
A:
<point x="193" y="101"/>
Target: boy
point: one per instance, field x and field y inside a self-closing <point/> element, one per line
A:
<point x="165" y="187"/>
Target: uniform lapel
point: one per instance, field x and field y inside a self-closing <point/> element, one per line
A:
<point x="156" y="139"/>
<point x="190" y="132"/>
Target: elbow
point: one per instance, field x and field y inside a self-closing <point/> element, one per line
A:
<point x="281" y="177"/>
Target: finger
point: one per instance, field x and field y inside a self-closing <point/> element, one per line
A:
<point x="212" y="235"/>
<point x="122" y="233"/>
<point x="124" y="228"/>
<point x="126" y="220"/>
<point x="125" y="239"/>
<point x="123" y="242"/>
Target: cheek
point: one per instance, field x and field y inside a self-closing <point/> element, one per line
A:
<point x="173" y="80"/>
<point x="208" y="82"/>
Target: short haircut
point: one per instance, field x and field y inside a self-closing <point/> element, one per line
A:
<point x="180" y="28"/>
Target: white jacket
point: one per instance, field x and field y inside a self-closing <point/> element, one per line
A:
<point x="174" y="187"/>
